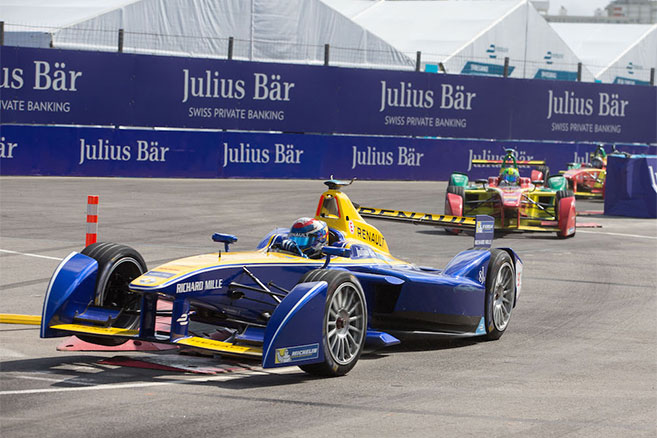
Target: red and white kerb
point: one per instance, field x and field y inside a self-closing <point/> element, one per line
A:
<point x="92" y="219"/>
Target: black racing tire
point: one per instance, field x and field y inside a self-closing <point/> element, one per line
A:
<point x="500" y="294"/>
<point x="118" y="265"/>
<point x="558" y="197"/>
<point x="458" y="191"/>
<point x="344" y="325"/>
<point x="561" y="194"/>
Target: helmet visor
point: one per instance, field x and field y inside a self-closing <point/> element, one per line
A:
<point x="303" y="241"/>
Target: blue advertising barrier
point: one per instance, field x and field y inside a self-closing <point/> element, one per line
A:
<point x="85" y="151"/>
<point x="631" y="186"/>
<point x="65" y="87"/>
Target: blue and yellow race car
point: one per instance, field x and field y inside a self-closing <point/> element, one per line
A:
<point x="279" y="304"/>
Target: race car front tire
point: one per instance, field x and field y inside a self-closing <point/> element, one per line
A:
<point x="118" y="265"/>
<point x="345" y="323"/>
<point x="563" y="194"/>
<point x="544" y="171"/>
<point x="500" y="294"/>
<point x="454" y="192"/>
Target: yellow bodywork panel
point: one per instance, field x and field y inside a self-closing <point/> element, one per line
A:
<point x="588" y="195"/>
<point x="335" y="208"/>
<point x="93" y="330"/>
<point x="177" y="268"/>
<point x="221" y="347"/>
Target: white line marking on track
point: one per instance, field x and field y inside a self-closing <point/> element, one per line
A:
<point x="619" y="234"/>
<point x="31" y="255"/>
<point x="108" y="386"/>
<point x="52" y="379"/>
<point x="5" y="353"/>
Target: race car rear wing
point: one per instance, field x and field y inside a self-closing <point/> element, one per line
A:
<point x="482" y="225"/>
<point x="518" y="162"/>
<point x="458" y="222"/>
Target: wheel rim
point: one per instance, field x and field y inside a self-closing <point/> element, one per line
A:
<point x="503" y="298"/>
<point x="345" y="323"/>
<point x="114" y="292"/>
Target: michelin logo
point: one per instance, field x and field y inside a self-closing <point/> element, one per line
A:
<point x="296" y="354"/>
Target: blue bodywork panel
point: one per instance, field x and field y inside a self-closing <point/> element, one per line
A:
<point x="70" y="291"/>
<point x="294" y="333"/>
<point x="376" y="339"/>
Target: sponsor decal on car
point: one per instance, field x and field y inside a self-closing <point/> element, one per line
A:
<point x="370" y="236"/>
<point x="296" y="354"/>
<point x="198" y="286"/>
<point x="183" y="320"/>
<point x="518" y="277"/>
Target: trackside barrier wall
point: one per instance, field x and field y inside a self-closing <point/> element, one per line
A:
<point x="67" y="87"/>
<point x="73" y="151"/>
<point x="631" y="186"/>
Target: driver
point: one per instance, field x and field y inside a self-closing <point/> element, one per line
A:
<point x="307" y="237"/>
<point x="509" y="176"/>
<point x="599" y="159"/>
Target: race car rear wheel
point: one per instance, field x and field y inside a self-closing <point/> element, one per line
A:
<point x="345" y="323"/>
<point x="118" y="265"/>
<point x="500" y="293"/>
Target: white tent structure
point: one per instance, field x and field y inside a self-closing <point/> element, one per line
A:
<point x="615" y="53"/>
<point x="469" y="36"/>
<point x="461" y="36"/>
<point x="289" y="30"/>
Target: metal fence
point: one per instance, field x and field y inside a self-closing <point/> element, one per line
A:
<point x="79" y="38"/>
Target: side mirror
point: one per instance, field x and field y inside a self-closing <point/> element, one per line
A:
<point x="481" y="181"/>
<point x="226" y="239"/>
<point x="337" y="251"/>
<point x="538" y="182"/>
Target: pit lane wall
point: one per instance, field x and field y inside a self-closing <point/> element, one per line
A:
<point x="99" y="152"/>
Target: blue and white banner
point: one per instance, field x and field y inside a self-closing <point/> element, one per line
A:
<point x="72" y="151"/>
<point x="47" y="86"/>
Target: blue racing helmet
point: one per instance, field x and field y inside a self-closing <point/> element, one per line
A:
<point x="310" y="235"/>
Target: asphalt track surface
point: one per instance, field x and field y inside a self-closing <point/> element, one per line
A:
<point x="579" y="358"/>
